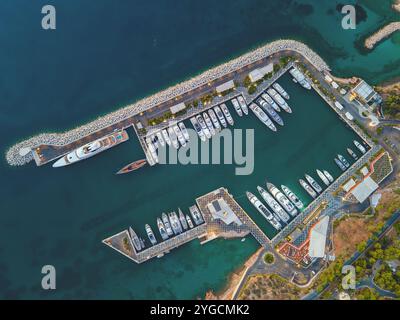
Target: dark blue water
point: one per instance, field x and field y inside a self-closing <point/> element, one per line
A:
<point x="105" y="54"/>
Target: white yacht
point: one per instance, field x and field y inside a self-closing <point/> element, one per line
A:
<point x="227" y="114"/>
<point x="198" y="129"/>
<point x="166" y="136"/>
<point x="238" y="109"/>
<point x="184" y="131"/>
<point x="214" y="119"/>
<point x="173" y="137"/>
<point x="243" y="105"/>
<point x="209" y="123"/>
<point x="203" y="125"/>
<point x="220" y="116"/>
<point x="261" y="115"/>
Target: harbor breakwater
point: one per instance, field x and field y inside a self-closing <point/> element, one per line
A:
<point x="383" y="33"/>
<point x="20" y="153"/>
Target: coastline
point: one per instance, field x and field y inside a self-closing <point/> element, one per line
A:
<point x="16" y="158"/>
<point x="234" y="280"/>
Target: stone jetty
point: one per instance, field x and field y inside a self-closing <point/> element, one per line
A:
<point x="19" y="154"/>
<point x="383" y="33"/>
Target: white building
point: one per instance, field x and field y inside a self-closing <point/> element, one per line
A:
<point x="364" y="189"/>
<point x="258" y="74"/>
<point x="318" y="236"/>
<point x="178" y="107"/>
<point x="225" y="86"/>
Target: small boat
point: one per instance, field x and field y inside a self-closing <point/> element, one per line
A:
<point x="161" y="228"/>
<point x="182" y="219"/>
<point x="175" y="224"/>
<point x="196" y="215"/>
<point x="173" y="137"/>
<point x="142" y="243"/>
<point x="132" y="166"/>
<point x="340" y="164"/>
<point x="167" y="224"/>
<point x="184" y="131"/>
<point x="352" y="153"/>
<point x="307" y="187"/>
<point x="243" y="105"/>
<point x="198" y="129"/>
<point x="323" y="177"/>
<point x="328" y="175"/>
<point x="343" y="160"/>
<point x="292" y="196"/>
<point x="313" y="183"/>
<point x="166" y="136"/>
<point x="209" y="124"/>
<point x="220" y="116"/>
<point x="227" y="114"/>
<point x="359" y="146"/>
<point x="160" y="139"/>
<point x="179" y="134"/>
<point x="150" y="234"/>
<point x="189" y="221"/>
<point x="238" y="109"/>
<point x="214" y="119"/>
<point x="203" y="125"/>
<point x="135" y="239"/>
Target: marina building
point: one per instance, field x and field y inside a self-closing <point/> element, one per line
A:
<point x="318" y="235"/>
<point x="259" y="73"/>
<point x="225" y="86"/>
<point x="364" y="189"/>
<point x="366" y="95"/>
<point x="178" y="107"/>
<point x="220" y="210"/>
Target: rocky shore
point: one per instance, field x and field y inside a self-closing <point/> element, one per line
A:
<point x="383" y="33"/>
<point x="19" y="154"/>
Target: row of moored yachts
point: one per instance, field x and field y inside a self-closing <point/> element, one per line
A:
<point x="174" y="136"/>
<point x="342" y="162"/>
<point x="168" y="226"/>
<point x="282" y="204"/>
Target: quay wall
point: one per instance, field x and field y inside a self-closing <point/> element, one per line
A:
<point x="15" y="157"/>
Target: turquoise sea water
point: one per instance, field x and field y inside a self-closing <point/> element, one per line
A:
<point x="106" y="54"/>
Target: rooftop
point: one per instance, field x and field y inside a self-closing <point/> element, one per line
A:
<point x="318" y="238"/>
<point x="364" y="189"/>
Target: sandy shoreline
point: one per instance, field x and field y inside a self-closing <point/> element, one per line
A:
<point x="234" y="280"/>
<point x="396" y="5"/>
